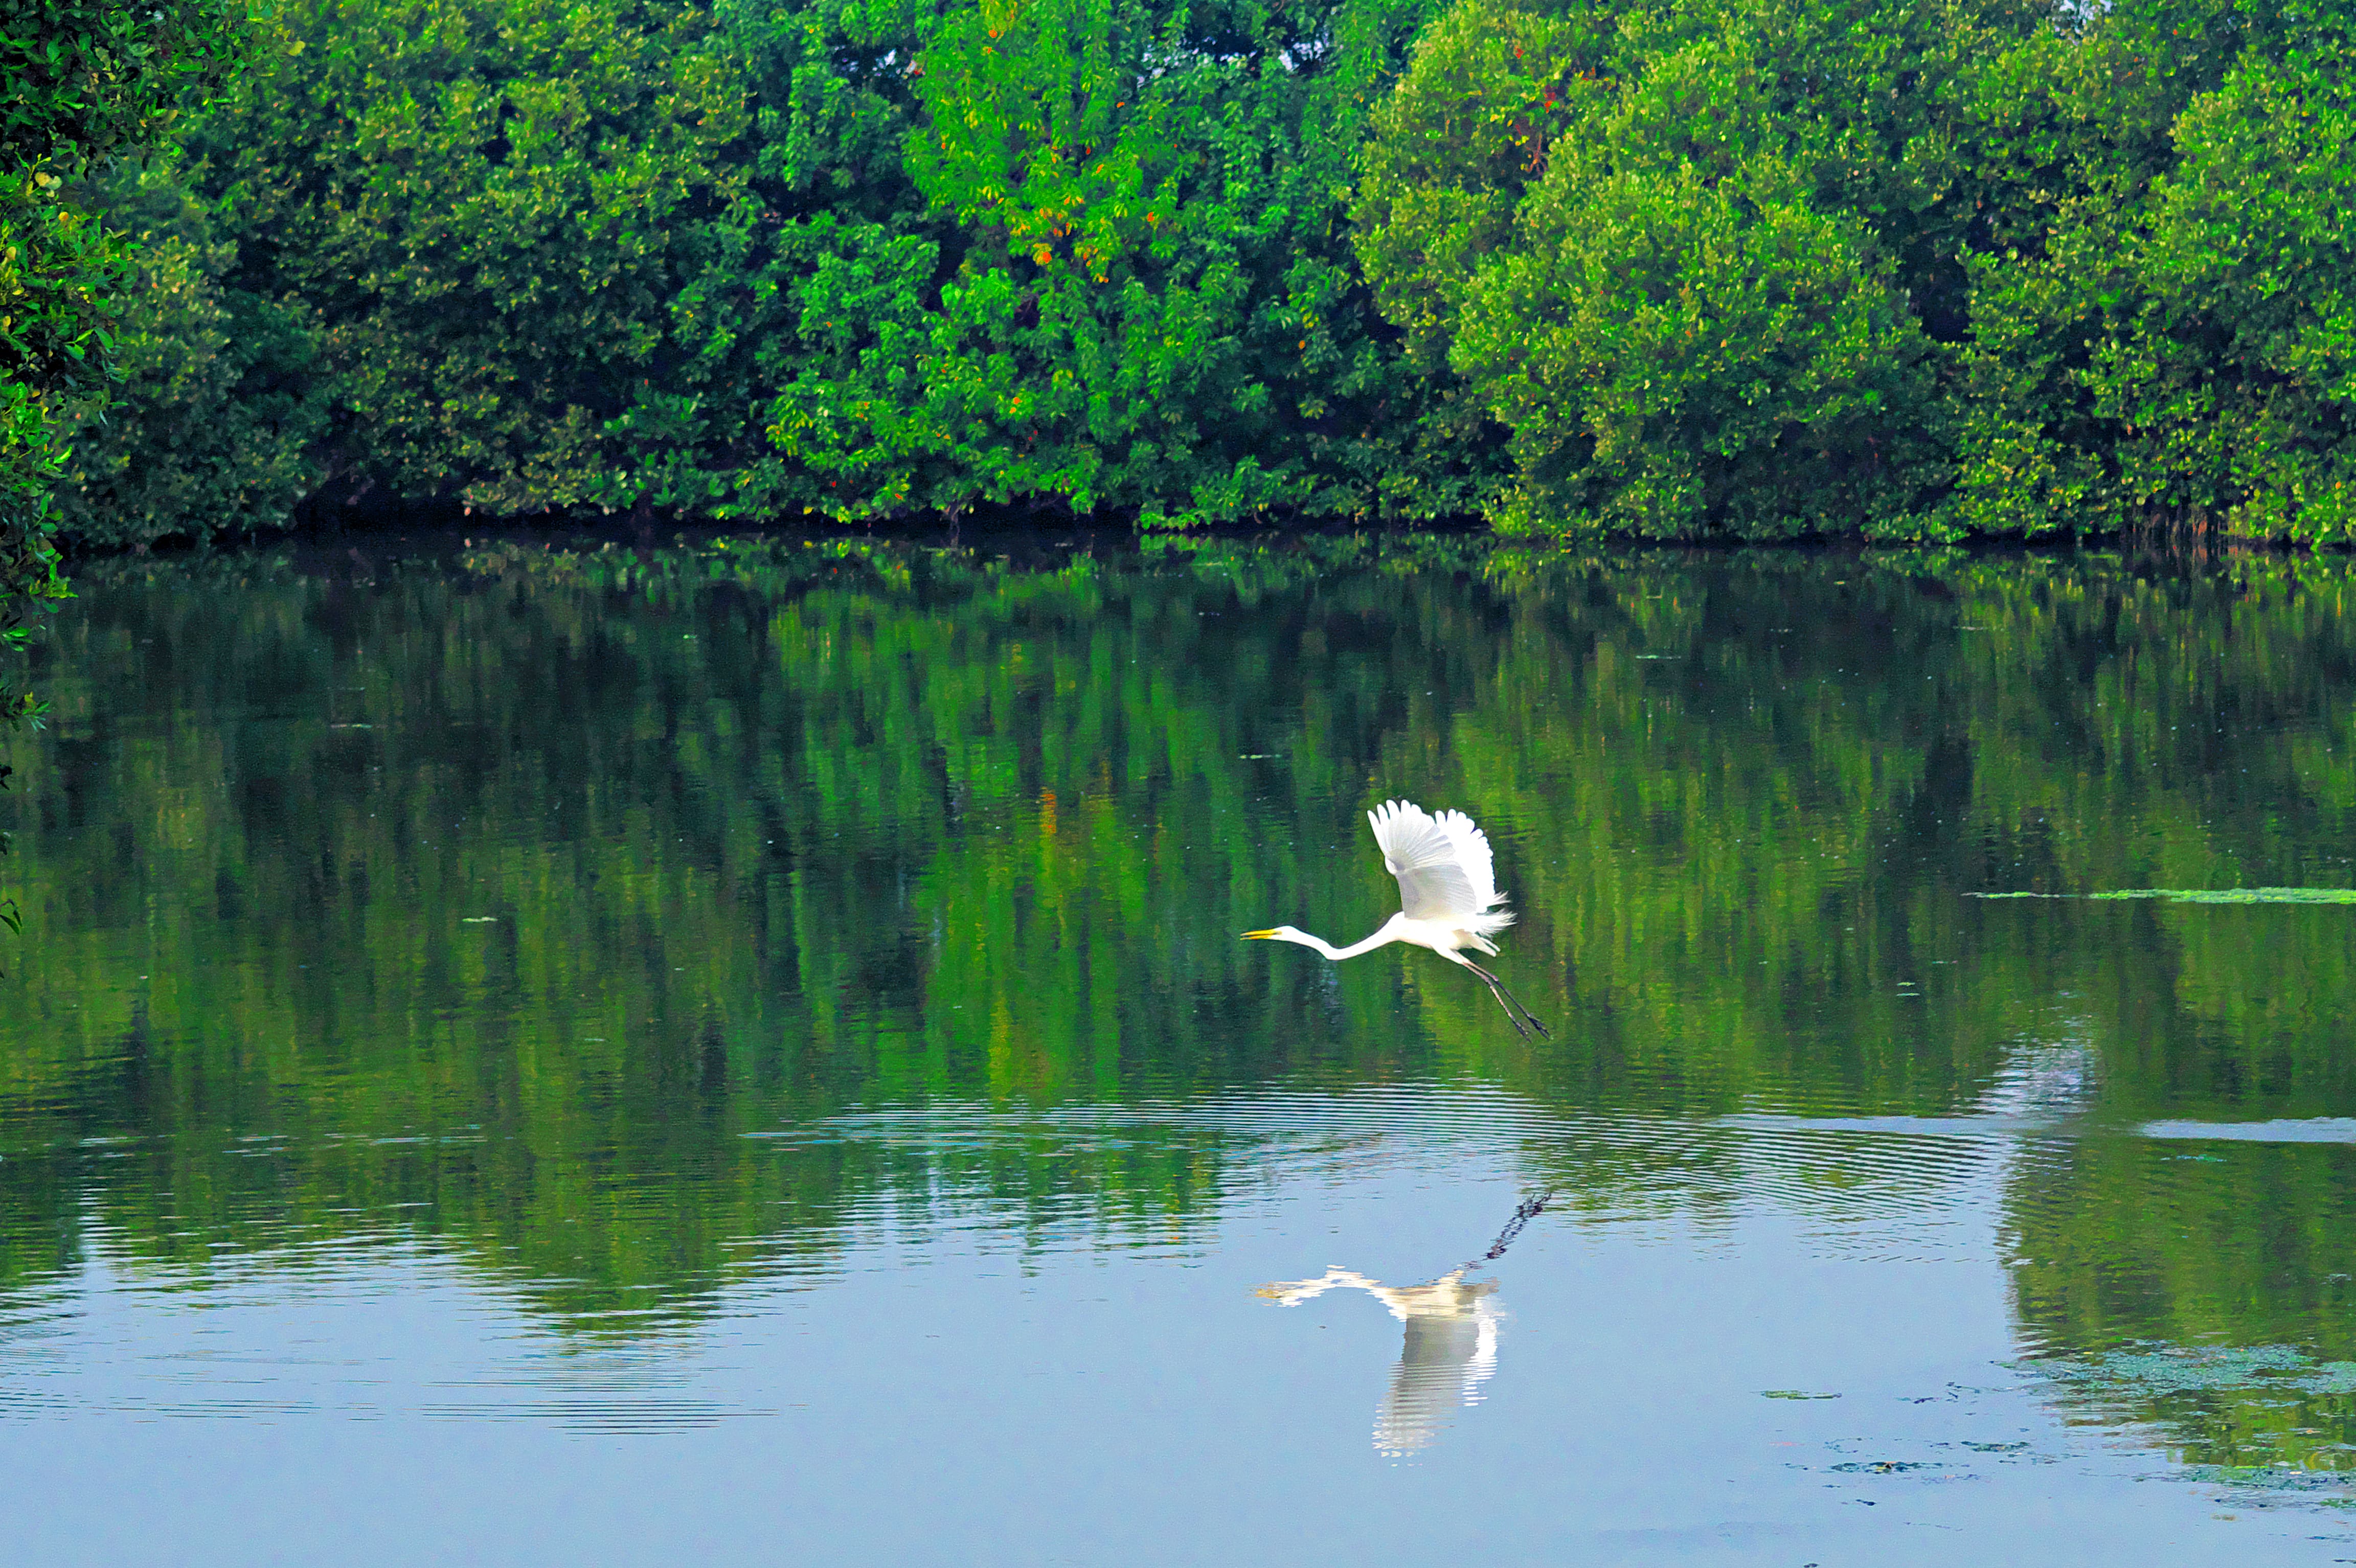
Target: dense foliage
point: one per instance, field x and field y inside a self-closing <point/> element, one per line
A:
<point x="1914" y="269"/>
<point x="1123" y="281"/>
<point x="1883" y="266"/>
<point x="861" y="261"/>
<point x="85" y="80"/>
<point x="219" y="407"/>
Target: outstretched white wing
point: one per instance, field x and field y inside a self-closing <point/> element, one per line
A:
<point x="1443" y="865"/>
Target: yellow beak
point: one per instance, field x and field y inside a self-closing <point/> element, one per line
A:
<point x="1259" y="935"/>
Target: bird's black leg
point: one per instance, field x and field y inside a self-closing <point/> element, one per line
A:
<point x="1511" y="1017"/>
<point x="1498" y="991"/>
<point x="1510" y="1002"/>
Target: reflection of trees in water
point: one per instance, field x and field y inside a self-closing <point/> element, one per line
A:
<point x="509" y="901"/>
<point x="1450" y="1351"/>
<point x="2205" y="1287"/>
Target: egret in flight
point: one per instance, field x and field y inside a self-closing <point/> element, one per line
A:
<point x="1447" y="887"/>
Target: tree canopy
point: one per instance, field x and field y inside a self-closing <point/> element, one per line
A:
<point x="87" y="81"/>
<point x="1909" y="269"/>
<point x="1884" y="267"/>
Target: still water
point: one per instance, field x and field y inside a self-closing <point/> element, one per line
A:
<point x="552" y="1052"/>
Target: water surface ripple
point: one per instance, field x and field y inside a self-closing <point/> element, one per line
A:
<point x="558" y="1051"/>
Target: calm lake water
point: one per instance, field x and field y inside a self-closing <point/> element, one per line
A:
<point x="742" y="1054"/>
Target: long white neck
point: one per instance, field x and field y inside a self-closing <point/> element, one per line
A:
<point x="1385" y="935"/>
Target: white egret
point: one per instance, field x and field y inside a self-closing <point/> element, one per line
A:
<point x="1448" y="888"/>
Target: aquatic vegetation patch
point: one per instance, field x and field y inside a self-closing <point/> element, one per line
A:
<point x="2203" y="895"/>
<point x="1883" y="1466"/>
<point x="2278" y="1479"/>
<point x="2257" y="1415"/>
<point x="2157" y="1373"/>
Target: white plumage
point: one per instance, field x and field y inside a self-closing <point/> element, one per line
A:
<point x="1445" y="868"/>
<point x="1447" y="896"/>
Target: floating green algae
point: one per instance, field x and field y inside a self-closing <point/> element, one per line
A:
<point x="2291" y="1478"/>
<point x="2159" y="1373"/>
<point x="2205" y="895"/>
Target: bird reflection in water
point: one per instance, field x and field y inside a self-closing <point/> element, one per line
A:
<point x="1450" y="1348"/>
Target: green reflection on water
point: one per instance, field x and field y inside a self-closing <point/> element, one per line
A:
<point x="499" y="899"/>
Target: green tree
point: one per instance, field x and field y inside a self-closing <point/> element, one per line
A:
<point x="1118" y="275"/>
<point x="2081" y="401"/>
<point x="221" y="401"/>
<point x="522" y="226"/>
<point x="1667" y="268"/>
<point x="1687" y="251"/>
<point x="855" y="259"/>
<point x="2250" y="265"/>
<point x="86" y="80"/>
<point x="1884" y="267"/>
